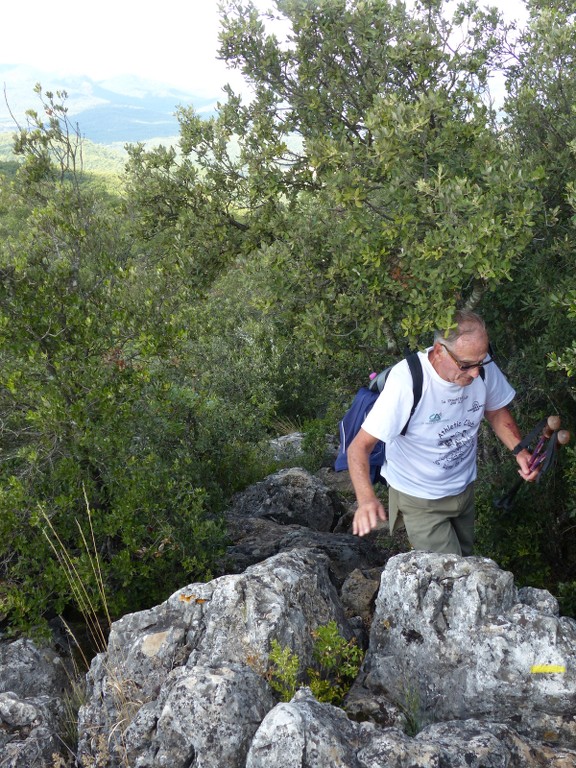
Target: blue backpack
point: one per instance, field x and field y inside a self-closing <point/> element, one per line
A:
<point x="361" y="407"/>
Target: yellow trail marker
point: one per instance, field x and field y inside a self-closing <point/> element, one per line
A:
<point x="548" y="669"/>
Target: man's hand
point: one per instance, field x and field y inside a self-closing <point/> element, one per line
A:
<point x="505" y="427"/>
<point x="523" y="459"/>
<point x="367" y="516"/>
<point x="370" y="508"/>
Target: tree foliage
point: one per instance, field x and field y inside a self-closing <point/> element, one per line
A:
<point x="256" y="272"/>
<point x="534" y="317"/>
<point x="96" y="403"/>
<point x="399" y="160"/>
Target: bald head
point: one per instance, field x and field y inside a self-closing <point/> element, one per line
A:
<point x="468" y="325"/>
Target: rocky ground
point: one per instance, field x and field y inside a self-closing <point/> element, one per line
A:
<point x="448" y="678"/>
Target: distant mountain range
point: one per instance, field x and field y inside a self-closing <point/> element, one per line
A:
<point x="116" y="111"/>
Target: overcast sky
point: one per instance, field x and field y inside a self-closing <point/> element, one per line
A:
<point x="173" y="41"/>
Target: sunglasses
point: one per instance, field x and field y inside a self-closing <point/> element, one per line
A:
<point x="466" y="366"/>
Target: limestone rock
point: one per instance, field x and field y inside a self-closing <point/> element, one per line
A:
<point x="539" y="599"/>
<point x="33" y="682"/>
<point x="451" y="640"/>
<point x="291" y="496"/>
<point x="358" y="595"/>
<point x="451" y="649"/>
<point x="293" y="509"/>
<point x="255" y="540"/>
<point x="204" y="715"/>
<point x="287" y="447"/>
<point x="463" y="670"/>
<point x="303" y="733"/>
<point x="306" y="734"/>
<point x="28" y="670"/>
<point x="183" y="683"/>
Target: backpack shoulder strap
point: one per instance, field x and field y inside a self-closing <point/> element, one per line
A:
<point x="482" y="370"/>
<point x="415" y="366"/>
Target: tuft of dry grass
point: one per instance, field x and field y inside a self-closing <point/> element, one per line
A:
<point x="127" y="704"/>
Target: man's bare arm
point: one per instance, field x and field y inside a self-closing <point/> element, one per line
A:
<point x="506" y="429"/>
<point x="370" y="509"/>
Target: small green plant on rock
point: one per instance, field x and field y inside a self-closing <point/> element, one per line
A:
<point x="282" y="673"/>
<point x="337" y="662"/>
<point x="411" y="706"/>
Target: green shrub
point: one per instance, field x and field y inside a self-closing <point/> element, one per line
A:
<point x="336" y="665"/>
<point x="316" y="442"/>
<point x="567" y="598"/>
<point x="283" y="670"/>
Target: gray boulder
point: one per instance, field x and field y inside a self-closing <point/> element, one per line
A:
<point x="294" y="509"/>
<point x="452" y="640"/>
<point x="291" y="496"/>
<point x="358" y="594"/>
<point x="183" y="684"/>
<point x="287" y="447"/>
<point x="204" y="715"/>
<point x="29" y="670"/>
<point x="255" y="540"/>
<point x="33" y="683"/>
<point x="306" y="734"/>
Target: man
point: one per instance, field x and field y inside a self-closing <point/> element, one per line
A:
<point x="431" y="469"/>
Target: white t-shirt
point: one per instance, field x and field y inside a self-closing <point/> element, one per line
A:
<point x="437" y="456"/>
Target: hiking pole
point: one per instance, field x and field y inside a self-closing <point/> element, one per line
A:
<point x="547" y="456"/>
<point x="542" y="456"/>
<point x="563" y="437"/>
<point x="552" y="424"/>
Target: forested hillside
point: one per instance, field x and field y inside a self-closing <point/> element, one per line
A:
<point x="156" y="333"/>
<point x="95" y="158"/>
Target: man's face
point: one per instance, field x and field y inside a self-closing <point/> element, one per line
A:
<point x="466" y="350"/>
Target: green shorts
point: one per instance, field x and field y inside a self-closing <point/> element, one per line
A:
<point x="435" y="525"/>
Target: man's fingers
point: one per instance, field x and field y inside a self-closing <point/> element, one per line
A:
<point x="366" y="518"/>
<point x="361" y="524"/>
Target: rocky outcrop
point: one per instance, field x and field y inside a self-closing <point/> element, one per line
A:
<point x="293" y="509"/>
<point x="462" y="669"/>
<point x="451" y="658"/>
<point x="452" y="639"/>
<point x="33" y="684"/>
<point x="307" y="734"/>
<point x="184" y="684"/>
<point x="290" y="496"/>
